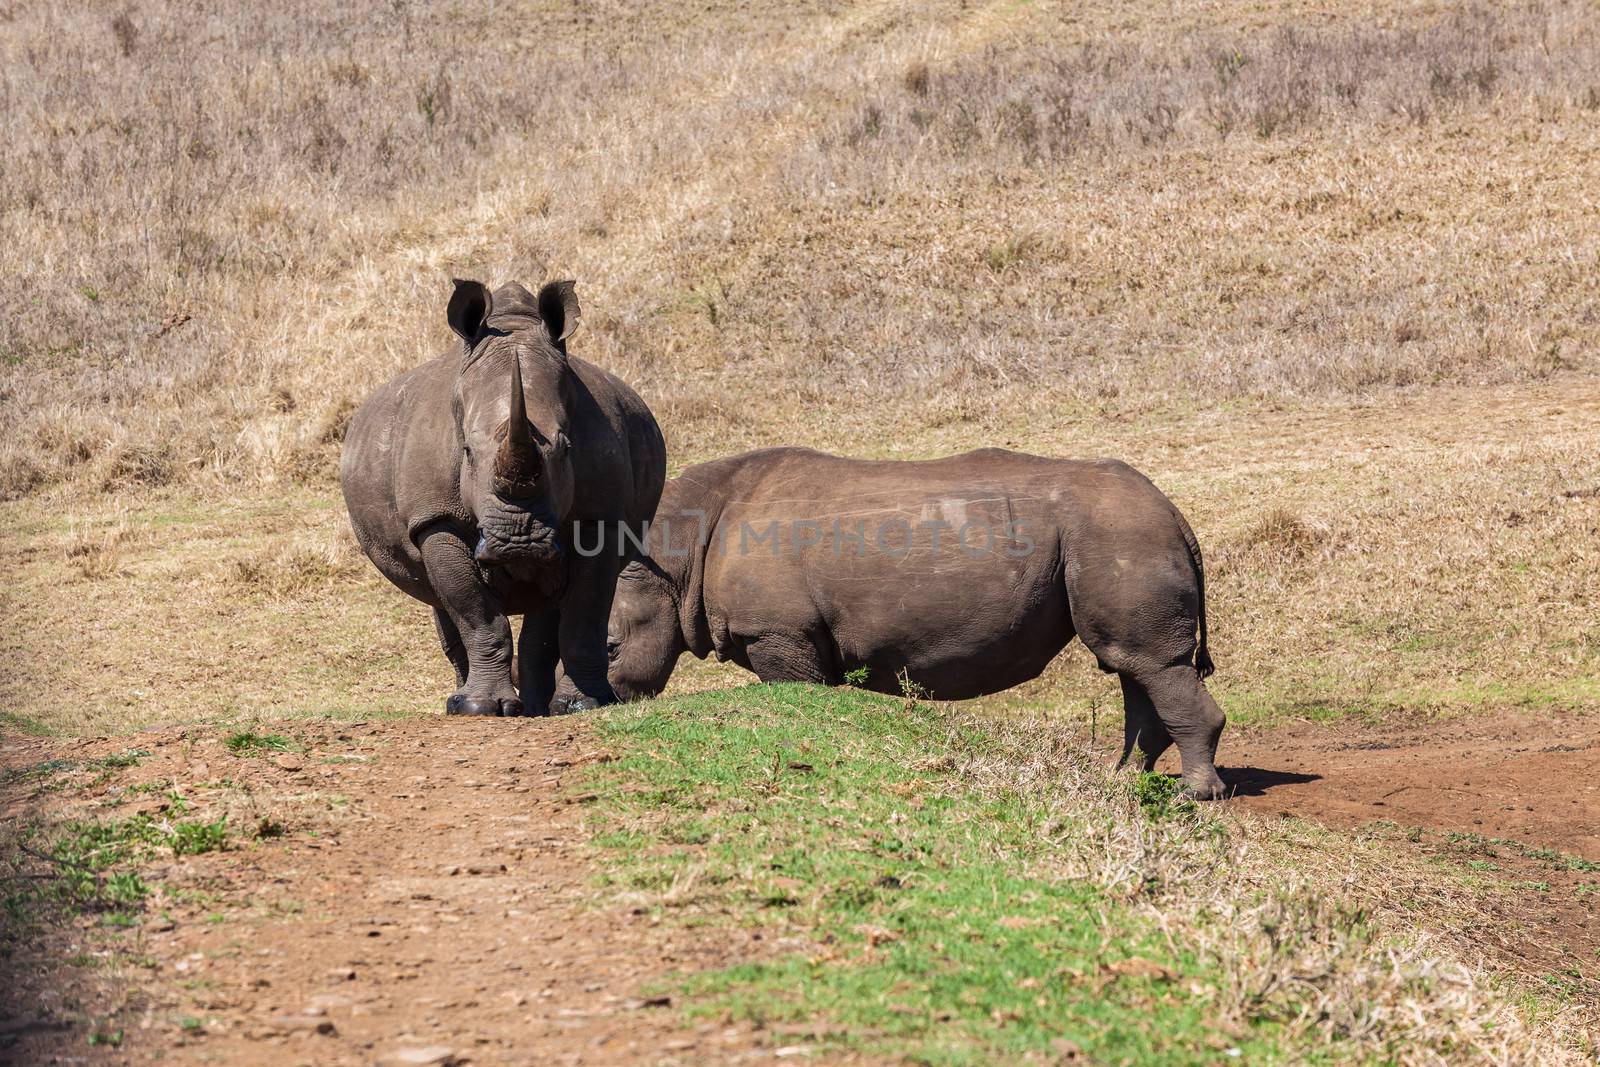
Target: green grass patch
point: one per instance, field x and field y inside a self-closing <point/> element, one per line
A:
<point x="250" y="743"/>
<point x="53" y="769"/>
<point x="935" y="927"/>
<point x="958" y="888"/>
<point x="93" y="866"/>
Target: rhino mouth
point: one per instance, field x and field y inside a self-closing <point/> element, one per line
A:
<point x="508" y="537"/>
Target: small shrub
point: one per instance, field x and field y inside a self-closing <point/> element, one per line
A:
<point x="268" y="828"/>
<point x="141" y="465"/>
<point x="1161" y="795"/>
<point x="917" y="79"/>
<point x="126" y="32"/>
<point x="195" y="838"/>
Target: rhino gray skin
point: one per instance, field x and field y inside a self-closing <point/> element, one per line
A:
<point x="1090" y="549"/>
<point x="470" y="479"/>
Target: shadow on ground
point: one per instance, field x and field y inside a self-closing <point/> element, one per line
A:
<point x="1255" y="781"/>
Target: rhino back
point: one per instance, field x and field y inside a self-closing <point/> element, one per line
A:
<point x="895" y="584"/>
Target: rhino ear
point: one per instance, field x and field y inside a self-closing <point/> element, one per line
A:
<point x="558" y="307"/>
<point x="469" y="309"/>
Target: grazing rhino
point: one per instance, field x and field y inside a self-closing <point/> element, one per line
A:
<point x="471" y="479"/>
<point x="959" y="576"/>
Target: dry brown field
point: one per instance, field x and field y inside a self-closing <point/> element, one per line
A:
<point x="1329" y="273"/>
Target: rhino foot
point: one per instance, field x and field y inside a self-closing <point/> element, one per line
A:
<point x="1208" y="788"/>
<point x="464" y="704"/>
<point x="573" y="704"/>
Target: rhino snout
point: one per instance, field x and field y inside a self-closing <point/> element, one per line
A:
<point x="537" y="543"/>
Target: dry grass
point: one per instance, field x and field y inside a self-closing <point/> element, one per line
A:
<point x="1340" y="941"/>
<point x="304" y="567"/>
<point x="94" y="550"/>
<point x="223" y="228"/>
<point x="1325" y="271"/>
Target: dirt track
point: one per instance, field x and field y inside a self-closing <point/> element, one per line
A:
<point x="1490" y="791"/>
<point x="1529" y="778"/>
<point x="433" y="892"/>
<point x="443" y="904"/>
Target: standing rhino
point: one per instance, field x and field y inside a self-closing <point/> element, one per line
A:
<point x="959" y="576"/>
<point x="470" y="479"/>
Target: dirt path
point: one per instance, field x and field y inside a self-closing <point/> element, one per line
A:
<point x="1511" y="798"/>
<point x="429" y="894"/>
<point x="1531" y="778"/>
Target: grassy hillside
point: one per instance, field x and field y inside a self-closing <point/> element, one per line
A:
<point x="225" y="227"/>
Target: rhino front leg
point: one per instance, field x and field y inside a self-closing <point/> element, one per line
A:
<point x="585" y="611"/>
<point x="481" y="625"/>
<point x="538" y="651"/>
<point x="450" y="641"/>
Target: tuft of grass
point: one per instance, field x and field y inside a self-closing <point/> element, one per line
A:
<point x="195" y="838"/>
<point x="250" y="743"/>
<point x="1279" y="537"/>
<point x="298" y="571"/>
<point x="96" y="553"/>
<point x="968" y="892"/>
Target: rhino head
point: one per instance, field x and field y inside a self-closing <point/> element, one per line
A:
<point x="644" y="637"/>
<point x="513" y="398"/>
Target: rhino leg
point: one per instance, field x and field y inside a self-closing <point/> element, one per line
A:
<point x="479" y="622"/>
<point x="1193" y="719"/>
<point x="787" y="658"/>
<point x="585" y="613"/>
<point x="538" y="651"/>
<point x="450" y="639"/>
<point x="1142" y="728"/>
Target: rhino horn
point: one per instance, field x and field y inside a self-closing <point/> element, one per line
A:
<point x="517" y="464"/>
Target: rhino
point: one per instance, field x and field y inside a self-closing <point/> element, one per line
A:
<point x="501" y="479"/>
<point x="954" y="578"/>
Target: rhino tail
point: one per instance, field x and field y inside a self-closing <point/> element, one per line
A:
<point x="1202" y="652"/>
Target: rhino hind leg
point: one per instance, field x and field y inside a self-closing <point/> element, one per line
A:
<point x="1191" y="717"/>
<point x="450" y="639"/>
<point x="1143" y="730"/>
<point x="479" y="622"/>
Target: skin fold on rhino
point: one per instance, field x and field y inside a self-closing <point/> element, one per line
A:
<point x="470" y="479"/>
<point x="960" y="576"/>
